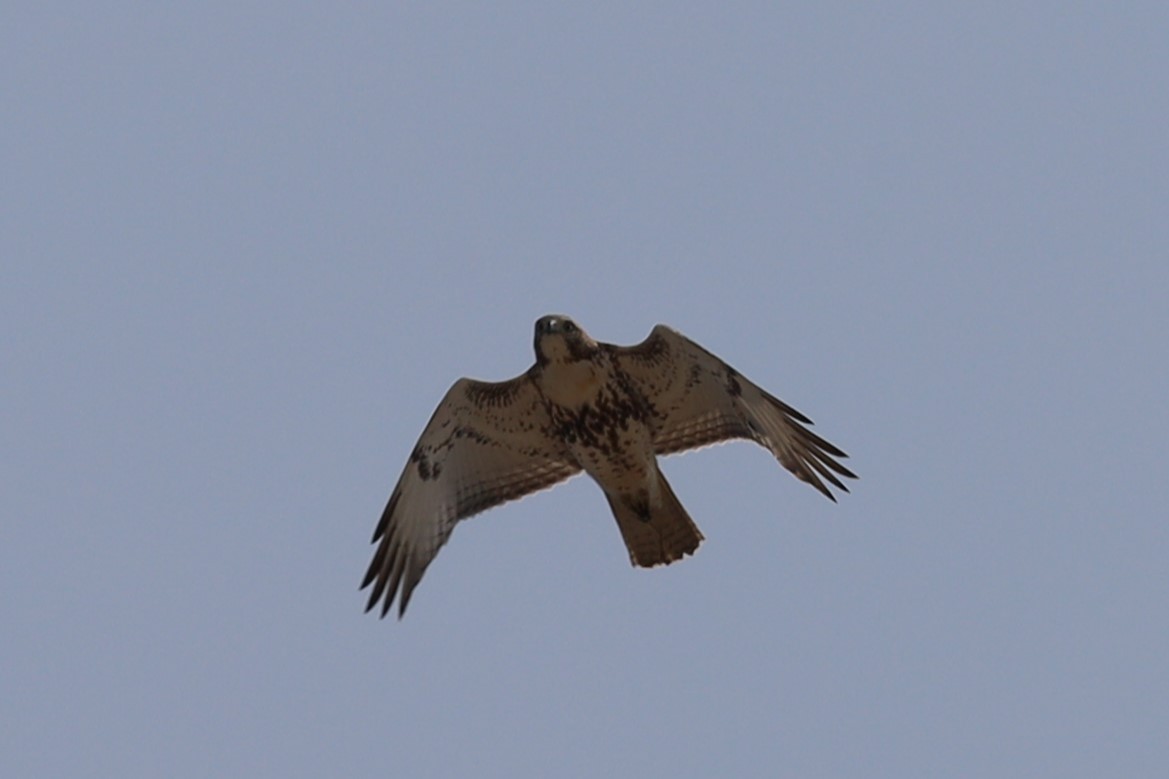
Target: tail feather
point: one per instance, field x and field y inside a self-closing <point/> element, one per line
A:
<point x="668" y="534"/>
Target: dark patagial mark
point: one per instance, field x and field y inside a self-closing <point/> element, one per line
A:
<point x="733" y="385"/>
<point x="695" y="377"/>
<point x="650" y="352"/>
<point x="484" y="393"/>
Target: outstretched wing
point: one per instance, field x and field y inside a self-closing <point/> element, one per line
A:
<point x="486" y="444"/>
<point x="698" y="399"/>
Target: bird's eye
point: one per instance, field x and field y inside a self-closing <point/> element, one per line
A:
<point x="569" y="327"/>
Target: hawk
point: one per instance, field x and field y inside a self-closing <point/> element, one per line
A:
<point x="584" y="406"/>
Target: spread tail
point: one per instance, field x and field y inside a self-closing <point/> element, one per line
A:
<point x="659" y="534"/>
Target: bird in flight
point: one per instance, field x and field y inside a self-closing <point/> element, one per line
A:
<point x="584" y="406"/>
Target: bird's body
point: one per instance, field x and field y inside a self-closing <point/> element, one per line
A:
<point x="605" y="422"/>
<point x="601" y="421"/>
<point x="604" y="409"/>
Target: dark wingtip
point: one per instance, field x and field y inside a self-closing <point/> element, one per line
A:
<point x="384" y="523"/>
<point x="404" y="599"/>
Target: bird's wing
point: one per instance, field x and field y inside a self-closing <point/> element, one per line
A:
<point x="486" y="444"/>
<point x="697" y="399"/>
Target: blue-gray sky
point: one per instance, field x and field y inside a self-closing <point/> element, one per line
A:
<point x="246" y="247"/>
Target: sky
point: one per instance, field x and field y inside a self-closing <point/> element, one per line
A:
<point x="246" y="247"/>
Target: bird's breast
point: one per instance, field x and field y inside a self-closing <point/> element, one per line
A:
<point x="602" y="423"/>
<point x="572" y="385"/>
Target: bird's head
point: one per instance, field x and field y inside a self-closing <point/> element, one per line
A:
<point x="559" y="339"/>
